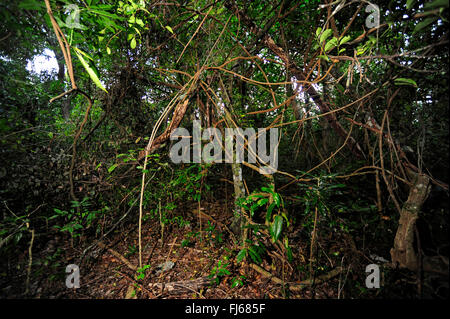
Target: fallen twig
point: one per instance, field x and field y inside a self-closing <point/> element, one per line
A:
<point x="181" y="286"/>
<point x="116" y="254"/>
<point x="299" y="285"/>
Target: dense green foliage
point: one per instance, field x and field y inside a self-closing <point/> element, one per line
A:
<point x="344" y="158"/>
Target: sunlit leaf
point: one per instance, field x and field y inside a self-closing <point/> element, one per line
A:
<point x="324" y="57"/>
<point x="331" y="44"/>
<point x="89" y="70"/>
<point x="325" y="35"/>
<point x="112" y="167"/>
<point x="169" y="28"/>
<point x="345" y="39"/>
<point x="319" y="29"/>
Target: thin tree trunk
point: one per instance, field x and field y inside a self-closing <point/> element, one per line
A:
<point x="239" y="193"/>
<point x="66" y="106"/>
<point x="403" y="253"/>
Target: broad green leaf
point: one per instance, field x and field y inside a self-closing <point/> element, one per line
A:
<point x="108" y="50"/>
<point x="319" y="29"/>
<point x="325" y="35"/>
<point x="276" y="227"/>
<point x="89" y="70"/>
<point x="140" y="22"/>
<point x="133" y="43"/>
<point x="331" y="44"/>
<point x="324" y="57"/>
<point x="345" y="39"/>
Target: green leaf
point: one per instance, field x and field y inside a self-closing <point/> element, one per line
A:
<point x="254" y="255"/>
<point x="269" y="211"/>
<point x="133" y="43"/>
<point x="410" y="3"/>
<point x="289" y="253"/>
<point x="89" y="70"/>
<point x="319" y="29"/>
<point x="325" y="35"/>
<point x="424" y="24"/>
<point x="106" y="14"/>
<point x="112" y="167"/>
<point x="276" y="227"/>
<point x="437" y="4"/>
<point x="140" y="22"/>
<point x="404" y="81"/>
<point x="324" y="57"/>
<point x="285" y="217"/>
<point x="108" y="50"/>
<point x="331" y="44"/>
<point x="345" y="39"/>
<point x="31" y="5"/>
<point x="276" y="199"/>
<point x="241" y="255"/>
<point x="360" y="50"/>
<point x="84" y="53"/>
<point x="169" y="28"/>
<point x="262" y="201"/>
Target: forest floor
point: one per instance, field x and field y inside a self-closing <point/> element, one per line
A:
<point x="109" y="269"/>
